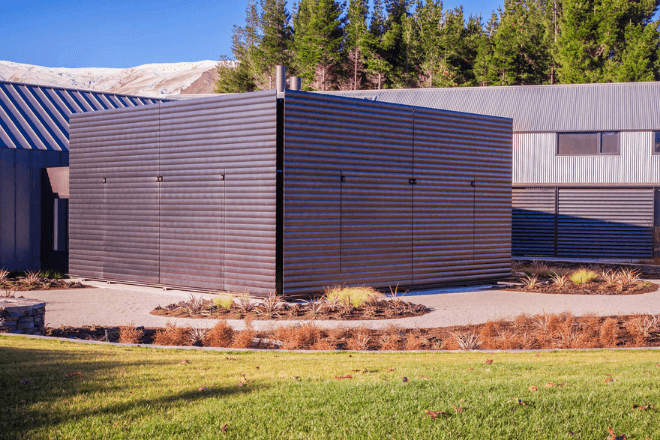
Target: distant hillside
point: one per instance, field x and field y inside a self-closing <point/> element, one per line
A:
<point x="147" y="80"/>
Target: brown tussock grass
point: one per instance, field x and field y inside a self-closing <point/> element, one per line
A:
<point x="609" y="332"/>
<point x="391" y="338"/>
<point x="635" y="328"/>
<point x="172" y="335"/>
<point x="129" y="334"/>
<point x="360" y="339"/>
<point x="221" y="335"/>
<point x="415" y="340"/>
<point x="300" y="336"/>
<point x="245" y="338"/>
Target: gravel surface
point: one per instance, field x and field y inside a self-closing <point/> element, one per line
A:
<point x="120" y="304"/>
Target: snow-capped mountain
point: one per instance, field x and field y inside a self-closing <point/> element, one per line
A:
<point x="146" y="80"/>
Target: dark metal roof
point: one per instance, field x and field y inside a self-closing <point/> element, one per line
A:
<point x="37" y="117"/>
<point x="574" y="107"/>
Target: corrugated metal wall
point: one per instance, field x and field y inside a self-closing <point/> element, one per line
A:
<point x="534" y="221"/>
<point x="353" y="215"/>
<point x="583" y="223"/>
<point x="210" y="221"/>
<point x="606" y="223"/>
<point x="535" y="162"/>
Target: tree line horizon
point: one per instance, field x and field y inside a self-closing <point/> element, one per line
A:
<point x="347" y="45"/>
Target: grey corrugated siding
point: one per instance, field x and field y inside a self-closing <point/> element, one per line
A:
<point x="584" y="223"/>
<point x="535" y="162"/>
<point x="605" y="223"/>
<point x="533" y="230"/>
<point x="575" y="107"/>
<point x="193" y="229"/>
<point x="376" y="228"/>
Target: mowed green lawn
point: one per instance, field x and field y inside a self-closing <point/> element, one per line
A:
<point x="149" y="393"/>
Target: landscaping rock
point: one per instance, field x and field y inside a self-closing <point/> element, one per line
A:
<point x="22" y="315"/>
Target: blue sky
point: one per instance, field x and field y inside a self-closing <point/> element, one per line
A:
<point x="123" y="33"/>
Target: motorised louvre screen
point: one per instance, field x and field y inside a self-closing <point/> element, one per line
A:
<point x="577" y="144"/>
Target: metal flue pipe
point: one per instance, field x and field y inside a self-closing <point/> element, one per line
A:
<point x="280" y="78"/>
<point x="296" y="83"/>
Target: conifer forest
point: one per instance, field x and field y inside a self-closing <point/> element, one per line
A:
<point x="378" y="44"/>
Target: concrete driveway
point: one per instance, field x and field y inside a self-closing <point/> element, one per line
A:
<point x="120" y="304"/>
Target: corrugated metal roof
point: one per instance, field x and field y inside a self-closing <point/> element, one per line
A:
<point x="574" y="107"/>
<point x="37" y="117"/>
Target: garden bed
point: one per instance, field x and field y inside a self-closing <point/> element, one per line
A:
<point x="11" y="282"/>
<point x="590" y="280"/>
<point x="546" y="331"/>
<point x="339" y="303"/>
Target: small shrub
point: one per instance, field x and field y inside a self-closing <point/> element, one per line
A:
<point x="32" y="278"/>
<point x="628" y="278"/>
<point x="129" y="334"/>
<point x="245" y="303"/>
<point x="3" y="276"/>
<point x="194" y="306"/>
<point x="172" y="335"/>
<point x="224" y="300"/>
<point x="7" y="294"/>
<point x="221" y="335"/>
<point x="559" y="280"/>
<point x="609" y="332"/>
<point x="270" y="304"/>
<point x="53" y="274"/>
<point x="610" y="277"/>
<point x="351" y="296"/>
<point x="197" y="335"/>
<point x="583" y="276"/>
<point x="530" y="281"/>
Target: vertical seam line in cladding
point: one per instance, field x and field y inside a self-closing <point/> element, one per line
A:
<point x="412" y="204"/>
<point x="10" y="122"/>
<point x="35" y="114"/>
<point x="160" y="184"/>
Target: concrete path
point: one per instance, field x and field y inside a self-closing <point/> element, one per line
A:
<point x="120" y="304"/>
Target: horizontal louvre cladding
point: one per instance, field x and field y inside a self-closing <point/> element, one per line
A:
<point x="357" y="231"/>
<point x="208" y="223"/>
<point x="405" y="210"/>
<point x="461" y="232"/>
<point x="114" y="225"/>
<point x="605" y="223"/>
<point x="216" y="233"/>
<point x="533" y="230"/>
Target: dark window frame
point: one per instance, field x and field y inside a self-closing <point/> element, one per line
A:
<point x="655" y="147"/>
<point x="599" y="145"/>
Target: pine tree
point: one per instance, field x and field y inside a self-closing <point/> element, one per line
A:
<point x="607" y="40"/>
<point x="378" y="67"/>
<point x="396" y="41"/>
<point x="357" y="41"/>
<point x="518" y="52"/>
<point x="245" y="44"/>
<point x="274" y="47"/>
<point x="318" y="27"/>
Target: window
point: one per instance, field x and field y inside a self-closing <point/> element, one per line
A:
<point x="589" y="143"/>
<point x="656" y="143"/>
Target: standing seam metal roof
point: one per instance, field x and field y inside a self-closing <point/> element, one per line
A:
<point x="574" y="107"/>
<point x="37" y="117"/>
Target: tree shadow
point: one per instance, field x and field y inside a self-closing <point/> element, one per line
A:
<point x="32" y="376"/>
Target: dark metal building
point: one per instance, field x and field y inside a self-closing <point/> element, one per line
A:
<point x="289" y="192"/>
<point x="586" y="163"/>
<point x="34" y="136"/>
